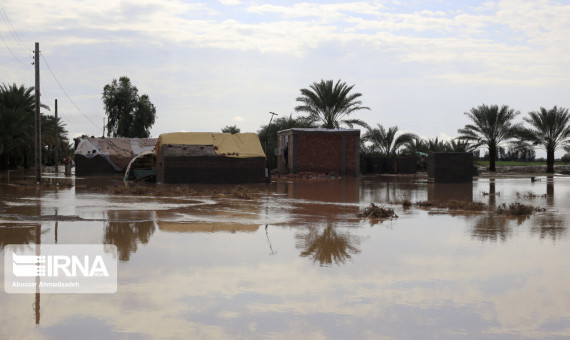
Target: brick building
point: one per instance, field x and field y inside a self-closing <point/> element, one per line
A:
<point x="208" y="157"/>
<point x="319" y="150"/>
<point x="450" y="167"/>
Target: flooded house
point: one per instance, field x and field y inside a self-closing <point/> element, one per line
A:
<point x="319" y="150"/>
<point x="107" y="156"/>
<point x="450" y="167"/>
<point x="208" y="157"/>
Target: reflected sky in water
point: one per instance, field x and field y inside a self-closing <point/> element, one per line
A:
<point x="297" y="262"/>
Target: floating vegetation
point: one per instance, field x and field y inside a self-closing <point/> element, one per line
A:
<point x="374" y="211"/>
<point x="517" y="209"/>
<point x="406" y="203"/>
<point x="241" y="192"/>
<point x="465" y="205"/>
<point x="454" y="205"/>
<point x="529" y="194"/>
<point x="484" y="193"/>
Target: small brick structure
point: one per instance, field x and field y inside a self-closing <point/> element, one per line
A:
<point x="209" y="157"/>
<point x="188" y="164"/>
<point x="450" y="167"/>
<point x="319" y="150"/>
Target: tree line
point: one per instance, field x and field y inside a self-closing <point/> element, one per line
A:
<point x="329" y="105"/>
<point x="325" y="104"/>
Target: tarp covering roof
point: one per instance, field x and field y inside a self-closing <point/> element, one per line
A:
<point x="239" y="145"/>
<point x="117" y="151"/>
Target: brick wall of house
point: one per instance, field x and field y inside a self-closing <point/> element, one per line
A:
<point x="321" y="151"/>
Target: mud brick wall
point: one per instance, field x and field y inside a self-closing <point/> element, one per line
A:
<point x="407" y="165"/>
<point x="93" y="166"/>
<point x="322" y="151"/>
<point x="450" y="167"/>
<point x="177" y="168"/>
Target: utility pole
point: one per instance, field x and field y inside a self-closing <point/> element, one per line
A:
<point x="56" y="141"/>
<point x="267" y="177"/>
<point x="38" y="116"/>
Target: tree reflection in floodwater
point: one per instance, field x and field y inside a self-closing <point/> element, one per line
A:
<point x="126" y="235"/>
<point x="549" y="226"/>
<point x="489" y="227"/>
<point x="17" y="235"/>
<point x="327" y="246"/>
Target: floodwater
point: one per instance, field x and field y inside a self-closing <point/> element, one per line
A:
<point x="296" y="262"/>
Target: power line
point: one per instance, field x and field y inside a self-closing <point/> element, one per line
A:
<point x="13" y="31"/>
<point x="65" y="92"/>
<point x="11" y="52"/>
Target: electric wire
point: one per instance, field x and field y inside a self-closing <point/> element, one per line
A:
<point x="12" y="30"/>
<point x="65" y="92"/>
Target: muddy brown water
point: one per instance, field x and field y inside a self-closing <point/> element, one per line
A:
<point x="295" y="261"/>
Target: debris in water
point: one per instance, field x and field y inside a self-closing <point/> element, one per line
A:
<point x="374" y="211"/>
<point x="517" y="209"/>
<point x="241" y="192"/>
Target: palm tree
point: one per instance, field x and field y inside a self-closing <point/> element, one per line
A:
<point x="330" y="103"/>
<point x="269" y="134"/>
<point x="550" y="129"/>
<point x="49" y="140"/>
<point x="458" y="145"/>
<point x="17" y="109"/>
<point x="385" y="141"/>
<point x="491" y="126"/>
<point x="16" y="134"/>
<point x="436" y="145"/>
<point x="416" y="145"/>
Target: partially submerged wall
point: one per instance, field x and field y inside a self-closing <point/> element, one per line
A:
<point x="200" y="164"/>
<point x="389" y="165"/>
<point x="107" y="156"/>
<point x="450" y="167"/>
<point x="319" y="150"/>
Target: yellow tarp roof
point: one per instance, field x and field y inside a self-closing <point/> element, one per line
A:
<point x="240" y="145"/>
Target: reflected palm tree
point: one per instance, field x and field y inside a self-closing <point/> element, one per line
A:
<point x="127" y="235"/>
<point x="492" y="194"/>
<point x="549" y="226"/>
<point x="550" y="190"/>
<point x="327" y="247"/>
<point x="491" y="228"/>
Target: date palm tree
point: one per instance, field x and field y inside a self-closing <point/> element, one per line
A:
<point x="387" y="142"/>
<point x="17" y="108"/>
<point x="331" y="103"/>
<point x="549" y="129"/>
<point x="491" y="125"/>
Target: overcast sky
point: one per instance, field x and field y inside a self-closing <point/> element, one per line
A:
<point x="418" y="64"/>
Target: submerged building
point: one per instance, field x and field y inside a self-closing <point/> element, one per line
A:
<point x="207" y="157"/>
<point x="450" y="167"/>
<point x="107" y="156"/>
<point x="319" y="150"/>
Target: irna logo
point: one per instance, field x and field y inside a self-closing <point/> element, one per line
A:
<point x="58" y="265"/>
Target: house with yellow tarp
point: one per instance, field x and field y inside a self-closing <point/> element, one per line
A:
<point x="208" y="157"/>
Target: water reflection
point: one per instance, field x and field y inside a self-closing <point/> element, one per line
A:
<point x="491" y="228"/>
<point x="17" y="235"/>
<point x="327" y="246"/>
<point x="126" y="234"/>
<point x="549" y="226"/>
<point x="450" y="191"/>
<point x="336" y="190"/>
<point x="550" y="190"/>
